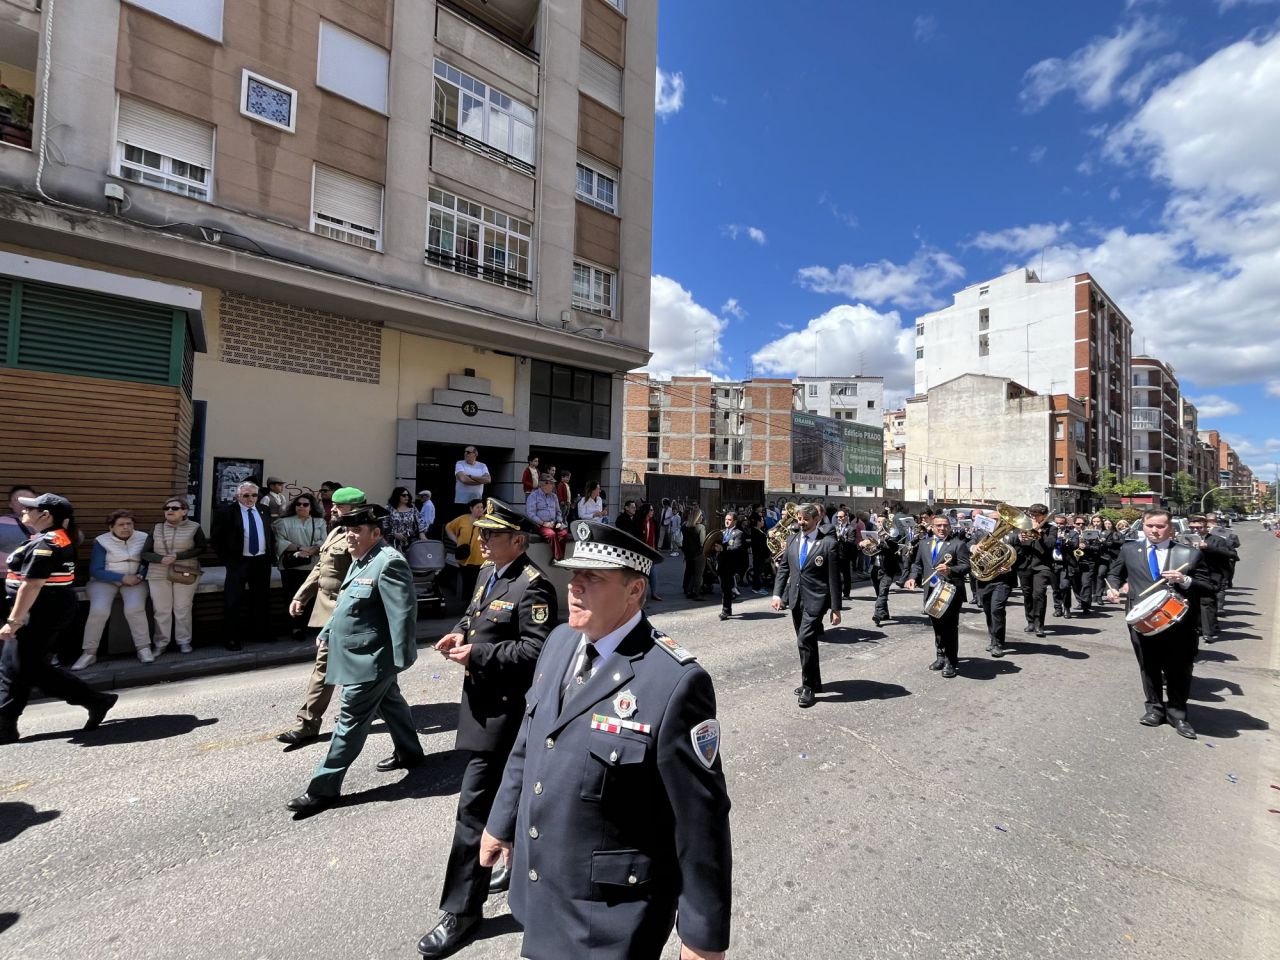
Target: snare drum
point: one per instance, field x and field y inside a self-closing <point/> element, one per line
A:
<point x="1157" y="612"/>
<point x="939" y="598"/>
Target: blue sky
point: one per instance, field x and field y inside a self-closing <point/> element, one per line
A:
<point x="846" y="166"/>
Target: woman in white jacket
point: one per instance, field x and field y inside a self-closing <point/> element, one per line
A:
<point x="116" y="566"/>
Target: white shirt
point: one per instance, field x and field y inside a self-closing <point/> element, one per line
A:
<point x="427" y="514"/>
<point x="606" y="644"/>
<point x="588" y="508"/>
<point x="811" y="537"/>
<point x="251" y="516"/>
<point x="462" y="492"/>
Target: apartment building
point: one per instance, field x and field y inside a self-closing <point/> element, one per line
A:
<point x="979" y="438"/>
<point x="1230" y="471"/>
<point x="324" y="239"/>
<point x="858" y="399"/>
<point x="1054" y="337"/>
<point x="1195" y="457"/>
<point x="695" y="426"/>
<point x="1155" y="424"/>
<point x="895" y="449"/>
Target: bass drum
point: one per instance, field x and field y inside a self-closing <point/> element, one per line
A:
<point x="1157" y="613"/>
<point x="939" y="598"/>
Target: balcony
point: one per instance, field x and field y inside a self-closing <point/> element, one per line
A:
<point x="1146" y="418"/>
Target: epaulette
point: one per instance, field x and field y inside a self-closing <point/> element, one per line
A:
<point x="677" y="652"/>
<point x="59" y="538"/>
<point x="532" y="573"/>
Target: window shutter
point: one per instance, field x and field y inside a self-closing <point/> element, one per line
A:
<point x="163" y="131"/>
<point x="600" y="80"/>
<point x="348" y="198"/>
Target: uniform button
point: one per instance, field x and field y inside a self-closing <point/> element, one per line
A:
<point x="473" y="633"/>
<point x="466" y="673"/>
<point x="613" y="757"/>
<point x="504" y="699"/>
<point x="537" y="787"/>
<point x="533" y="832"/>
<point x="632" y="879"/>
<point x="550" y="742"/>
<point x="533" y="875"/>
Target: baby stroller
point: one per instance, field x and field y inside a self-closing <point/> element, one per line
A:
<point x="426" y="560"/>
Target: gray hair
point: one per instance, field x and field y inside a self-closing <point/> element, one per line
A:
<point x="809" y="510"/>
<point x="247" y="485"/>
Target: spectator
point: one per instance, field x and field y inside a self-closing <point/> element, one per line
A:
<point x="663" y="514"/>
<point x="13" y="532"/>
<point x="543" y="508"/>
<point x="591" y="506"/>
<point x="761" y="563"/>
<point x="466" y="538"/>
<point x="673" y="524"/>
<point x="275" y="499"/>
<point x="326" y="499"/>
<point x="172" y="554"/>
<point x="694" y="533"/>
<point x="648" y="532"/>
<point x="627" y="521"/>
<point x="426" y="512"/>
<point x="471" y="476"/>
<point x="404" y="525"/>
<point x="116" y="566"/>
<point x="563" y="493"/>
<point x="299" y="535"/>
<point x="529" y="479"/>
<point x="245" y="543"/>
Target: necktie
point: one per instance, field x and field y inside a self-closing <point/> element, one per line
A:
<point x="254" y="545"/>
<point x="581" y="670"/>
<point x="937" y="544"/>
<point x="804" y="550"/>
<point x="1154" y="561"/>
<point x="493" y="578"/>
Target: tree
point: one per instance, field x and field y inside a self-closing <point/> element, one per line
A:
<point x="1184" y="490"/>
<point x="1130" y="486"/>
<point x="1106" y="484"/>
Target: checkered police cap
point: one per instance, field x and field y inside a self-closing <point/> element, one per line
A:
<point x="598" y="546"/>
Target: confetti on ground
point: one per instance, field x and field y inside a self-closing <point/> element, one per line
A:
<point x="1209" y="745"/>
<point x="435" y="676"/>
<point x="1000" y="828"/>
<point x="133" y="799"/>
<point x="1233" y="778"/>
<point x="804" y="756"/>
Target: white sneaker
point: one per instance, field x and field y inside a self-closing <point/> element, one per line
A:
<point x="184" y="648"/>
<point x="86" y="660"/>
<point x="145" y="655"/>
<point x="159" y="650"/>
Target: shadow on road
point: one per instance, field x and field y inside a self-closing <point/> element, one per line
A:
<point x="980" y="668"/>
<point x="1205" y="689"/>
<point x="131" y="730"/>
<point x="7" y="920"/>
<point x="1215" y="656"/>
<point x="498" y="926"/>
<point x="1046" y="649"/>
<point x="16" y="817"/>
<point x="1070" y="630"/>
<point x="439" y="776"/>
<point x="434" y="717"/>
<point x="857" y="691"/>
<point x="1224" y="723"/>
<point x="847" y="635"/>
<point x="758" y="615"/>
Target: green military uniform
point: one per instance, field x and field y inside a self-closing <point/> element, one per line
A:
<point x="323" y="583"/>
<point x="371" y="637"/>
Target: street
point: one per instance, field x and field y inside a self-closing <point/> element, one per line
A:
<point x="1018" y="810"/>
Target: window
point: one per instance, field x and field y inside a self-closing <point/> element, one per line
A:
<point x="845" y="390"/>
<point x="871" y="405"/>
<point x="267" y="101"/>
<point x="352" y="67"/>
<point x="919" y="329"/>
<point x="620" y="4"/>
<point x="984" y="319"/>
<point x="346" y="208"/>
<point x="600" y="80"/>
<point x="593" y="289"/>
<point x="1058" y="469"/>
<point x="569" y="401"/>
<point x="919" y="353"/>
<point x="466" y="237"/>
<point x="653" y="423"/>
<point x="813" y="389"/>
<point x="984" y="345"/>
<point x="983" y="291"/>
<point x="1059" y="431"/>
<point x="652" y="452"/>
<point x="17" y="83"/>
<point x="481" y="114"/>
<point x="202" y="16"/>
<point x="163" y="149"/>
<point x="597" y="189"/>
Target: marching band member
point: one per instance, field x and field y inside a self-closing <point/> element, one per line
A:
<point x="1061" y="566"/>
<point x="1101" y="534"/>
<point x="942" y="556"/>
<point x="846" y="550"/>
<point x="886" y="567"/>
<point x="1082" y="571"/>
<point x="1165" y="659"/>
<point x="1035" y="547"/>
<point x="1218" y="556"/>
<point x="993" y="597"/>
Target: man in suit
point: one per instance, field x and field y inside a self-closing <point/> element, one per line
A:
<point x="847" y="542"/>
<point x="243" y="539"/>
<point x="943" y="554"/>
<point x="1218" y="556"/>
<point x="322" y="585"/>
<point x="1062" y="563"/>
<point x="886" y="567"/>
<point x="497" y="643"/>
<point x="1164" y="660"/>
<point x="627" y="520"/>
<point x="1035" y="558"/>
<point x="808" y="578"/>
<point x="613" y="806"/>
<point x="372" y="638"/>
<point x="730" y="561"/>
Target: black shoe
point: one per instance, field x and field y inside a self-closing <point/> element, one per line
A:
<point x="939" y="663"/>
<point x="234" y="645"/>
<point x="500" y="879"/>
<point x="1087" y="610"/>
<point x="1039" y="630"/>
<point x="725" y="616"/>
<point x="806" y="698"/>
<point x="99" y="710"/>
<point x="817" y="688"/>
<point x="998" y="650"/>
<point x="8" y="733"/>
<point x="1152" y="718"/>
<point x="394" y="762"/>
<point x="1067" y="614"/>
<point x="1214" y="638"/>
<point x="297" y="738"/>
<point x="453" y="930"/>
<point x="949" y="670"/>
<point x="1184" y="729"/>
<point x="1057" y="611"/>
<point x="309" y="804"/>
<point x="1029" y="628"/>
<point x="990" y="645"/>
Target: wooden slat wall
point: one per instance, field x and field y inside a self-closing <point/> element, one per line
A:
<point x="102" y="444"/>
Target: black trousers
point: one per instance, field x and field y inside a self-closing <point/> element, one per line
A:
<point x="291" y="580"/>
<point x="809" y="631"/>
<point x="1034" y="583"/>
<point x="1060" y="580"/>
<point x="1165" y="663"/>
<point x="1100" y="569"/>
<point x="466" y="883"/>
<point x="246" y="599"/>
<point x="728" y="568"/>
<point x="24" y="660"/>
<point x="883" y="583"/>
<point x="1209" y="617"/>
<point x="1082" y="584"/>
<point x="846" y="561"/>
<point x="946" y="631"/>
<point x="993" y="599"/>
<point x="694" y="564"/>
<point x="1220" y="601"/>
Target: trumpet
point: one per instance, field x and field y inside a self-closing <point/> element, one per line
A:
<point x="1077" y="553"/>
<point x="787" y="524"/>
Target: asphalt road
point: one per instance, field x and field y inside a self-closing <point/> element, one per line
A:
<point x="1018" y="810"/>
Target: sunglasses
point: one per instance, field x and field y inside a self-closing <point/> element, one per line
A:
<point x="173" y="507"/>
<point x="301" y="504"/>
<point x="248" y="496"/>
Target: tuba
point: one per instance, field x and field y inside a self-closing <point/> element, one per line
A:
<point x="992" y="557"/>
<point x="787" y="524"/>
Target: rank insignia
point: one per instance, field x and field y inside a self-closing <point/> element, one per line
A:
<point x="706" y="741"/>
<point x="616" y="724"/>
<point x="818" y="560"/>
<point x="539" y="613"/>
<point x="364" y="581"/>
<point x="502" y="605"/>
<point x="624" y="704"/>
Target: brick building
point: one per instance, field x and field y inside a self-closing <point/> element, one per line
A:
<point x="1156" y="428"/>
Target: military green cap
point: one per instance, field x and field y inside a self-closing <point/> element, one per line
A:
<point x="349" y="496"/>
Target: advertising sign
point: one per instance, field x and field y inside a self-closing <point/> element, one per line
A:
<point x="838" y="453"/>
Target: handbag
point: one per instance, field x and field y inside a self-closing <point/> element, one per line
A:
<point x="185" y="572"/>
<point x="292" y="560"/>
<point x="462" y="551"/>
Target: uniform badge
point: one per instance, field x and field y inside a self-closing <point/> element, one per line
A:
<point x="706" y="741"/>
<point x="539" y="613"/>
<point x="818" y="560"/>
<point x="581" y="530"/>
<point x="624" y="704"/>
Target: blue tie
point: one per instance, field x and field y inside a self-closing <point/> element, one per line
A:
<point x="936" y="544"/>
<point x="254" y="545"/>
<point x="804" y="550"/>
<point x="492" y="580"/>
<point x="1154" y="560"/>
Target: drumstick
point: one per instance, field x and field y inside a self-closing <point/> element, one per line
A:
<point x="1161" y="581"/>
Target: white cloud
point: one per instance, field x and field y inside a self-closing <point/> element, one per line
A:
<point x="668" y="93"/>
<point x="926" y="28"/>
<point x="1212" y="405"/>
<point x="1033" y="236"/>
<point x="848" y="219"/>
<point x="1133" y="89"/>
<point x="735" y="230"/>
<point x="908" y="285"/>
<point x="1093" y="71"/>
<point x="683" y="335"/>
<point x="1036" y="154"/>
<point x="1273" y="388"/>
<point x="732" y="308"/>
<point x="845" y="340"/>
<point x="1224" y="5"/>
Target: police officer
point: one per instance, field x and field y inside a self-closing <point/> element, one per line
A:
<point x="40" y="593"/>
<point x="613" y="805"/>
<point x="497" y="641"/>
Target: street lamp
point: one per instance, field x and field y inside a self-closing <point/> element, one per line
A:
<point x="1229" y="486"/>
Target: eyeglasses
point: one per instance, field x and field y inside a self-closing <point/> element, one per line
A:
<point x="302" y="503"/>
<point x="490" y="534"/>
<point x="470" y="451"/>
<point x="170" y="508"/>
<point x="249" y="496"/>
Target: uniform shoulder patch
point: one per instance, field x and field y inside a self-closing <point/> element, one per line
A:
<point x="532" y="573"/>
<point x="673" y="649"/>
<point x="59" y="538"/>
